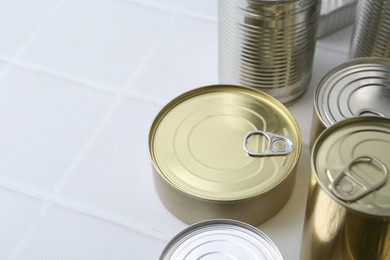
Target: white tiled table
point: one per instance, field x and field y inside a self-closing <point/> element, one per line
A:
<point x="80" y="83"/>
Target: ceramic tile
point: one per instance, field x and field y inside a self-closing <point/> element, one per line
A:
<point x="186" y="58"/>
<point x="163" y="4"/>
<point x="44" y="122"/>
<point x="19" y="19"/>
<point x="116" y="175"/>
<point x="63" y="234"/>
<point x="103" y="44"/>
<point x="324" y="61"/>
<point x="18" y="213"/>
<point x="338" y="41"/>
<point x="205" y="8"/>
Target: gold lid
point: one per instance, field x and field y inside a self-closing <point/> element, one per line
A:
<point x="351" y="162"/>
<point x="205" y="143"/>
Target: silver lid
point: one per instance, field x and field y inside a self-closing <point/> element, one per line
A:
<point x="354" y="88"/>
<point x="221" y="239"/>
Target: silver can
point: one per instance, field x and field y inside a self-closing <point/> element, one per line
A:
<point x="221" y="239"/>
<point x="335" y="14"/>
<point x="268" y="45"/>
<point x="357" y="87"/>
<point x="371" y="34"/>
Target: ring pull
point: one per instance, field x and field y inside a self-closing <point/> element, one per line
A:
<point x="363" y="111"/>
<point x="277" y="144"/>
<point x="348" y="188"/>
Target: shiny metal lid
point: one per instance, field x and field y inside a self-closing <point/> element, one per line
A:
<point x="224" y="143"/>
<point x="351" y="162"/>
<point x="221" y="239"/>
<point x="357" y="87"/>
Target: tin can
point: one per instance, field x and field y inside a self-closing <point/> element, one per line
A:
<point x="357" y="87"/>
<point x="348" y="207"/>
<point x="371" y="35"/>
<point x="334" y="15"/>
<point x="224" y="151"/>
<point x="268" y="45"/>
<point x="221" y="239"/>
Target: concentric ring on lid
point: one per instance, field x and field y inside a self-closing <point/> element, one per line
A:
<point x="357" y="87"/>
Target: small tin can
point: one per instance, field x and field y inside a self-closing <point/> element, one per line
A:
<point x="357" y="87"/>
<point x="221" y="239"/>
<point x="371" y="33"/>
<point x="348" y="207"/>
<point x="224" y="151"/>
<point x="268" y="45"/>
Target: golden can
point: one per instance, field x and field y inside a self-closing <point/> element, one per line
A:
<point x="357" y="87"/>
<point x="224" y="151"/>
<point x="348" y="208"/>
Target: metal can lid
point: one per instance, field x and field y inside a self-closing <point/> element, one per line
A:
<point x="221" y="239"/>
<point x="351" y="162"/>
<point x="357" y="87"/>
<point x="224" y="143"/>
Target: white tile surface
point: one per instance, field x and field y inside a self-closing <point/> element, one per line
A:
<point x="185" y="58"/>
<point x="101" y="41"/>
<point x="116" y="176"/>
<point x="44" y="122"/>
<point x="63" y="234"/>
<point x="18" y="213"/>
<point x="19" y="20"/>
<point x="80" y="84"/>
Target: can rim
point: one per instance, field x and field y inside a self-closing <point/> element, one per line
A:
<point x="326" y="133"/>
<point x="213" y="222"/>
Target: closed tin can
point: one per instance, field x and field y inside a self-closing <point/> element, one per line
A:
<point x="268" y="45"/>
<point x="334" y="15"/>
<point x="224" y="151"/>
<point x="371" y="33"/>
<point x="357" y="87"/>
<point x="348" y="208"/>
<point x="221" y="239"/>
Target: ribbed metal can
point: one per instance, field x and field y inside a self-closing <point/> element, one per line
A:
<point x="371" y="34"/>
<point x="268" y="45"/>
<point x="335" y="14"/>
<point x="348" y="205"/>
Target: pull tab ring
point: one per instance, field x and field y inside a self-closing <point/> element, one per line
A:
<point x="348" y="188"/>
<point x="277" y="144"/>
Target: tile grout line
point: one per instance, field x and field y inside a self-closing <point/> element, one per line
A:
<point x="151" y="50"/>
<point x="139" y="229"/>
<point x="35" y="32"/>
<point x="67" y="174"/>
<point x="178" y="10"/>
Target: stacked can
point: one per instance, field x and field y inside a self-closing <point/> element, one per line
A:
<point x="371" y="35"/>
<point x="268" y="45"/>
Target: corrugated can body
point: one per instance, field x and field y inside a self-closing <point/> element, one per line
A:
<point x="357" y="87"/>
<point x="335" y="14"/>
<point x="224" y="151"/>
<point x="221" y="239"/>
<point x="268" y="44"/>
<point x="371" y="34"/>
<point x="348" y="207"/>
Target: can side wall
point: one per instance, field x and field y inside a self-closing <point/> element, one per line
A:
<point x="317" y="127"/>
<point x="253" y="211"/>
<point x="324" y="220"/>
